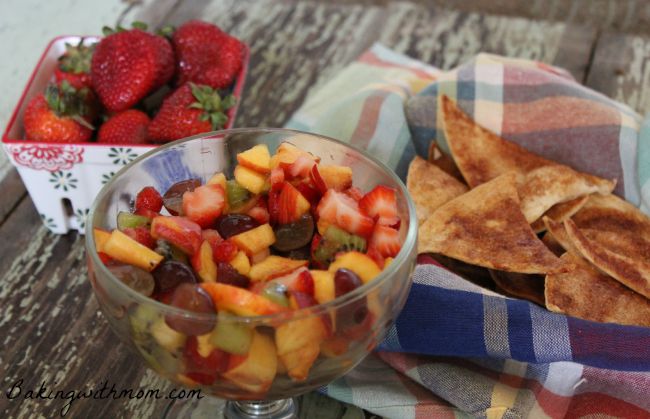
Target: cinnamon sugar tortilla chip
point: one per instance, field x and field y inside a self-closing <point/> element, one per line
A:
<point x="589" y="294"/>
<point x="529" y="287"/>
<point x="553" y="245"/>
<point x="611" y="213"/>
<point x="560" y="212"/>
<point x="480" y="154"/>
<point x="430" y="187"/>
<point x="546" y="186"/>
<point x="486" y="227"/>
<point x="631" y="271"/>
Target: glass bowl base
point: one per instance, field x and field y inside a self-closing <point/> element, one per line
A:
<point x="212" y="407"/>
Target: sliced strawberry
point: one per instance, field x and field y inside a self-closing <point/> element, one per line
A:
<point x="276" y="178"/>
<point x="148" y="199"/>
<point x="291" y="204"/>
<point x="385" y="240"/>
<point x="310" y="192"/>
<point x="338" y="208"/>
<point x="381" y="204"/>
<point x="200" y="369"/>
<point x="204" y="204"/>
<point x="299" y="280"/>
<point x="145" y="212"/>
<point x="261" y="215"/>
<point x="142" y="235"/>
<point x="274" y="205"/>
<point x="301" y="167"/>
<point x="354" y="193"/>
<point x="224" y="251"/>
<point x="211" y="236"/>
<point x="318" y="179"/>
<point x="375" y="255"/>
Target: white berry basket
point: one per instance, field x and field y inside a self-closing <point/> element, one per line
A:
<point x="63" y="179"/>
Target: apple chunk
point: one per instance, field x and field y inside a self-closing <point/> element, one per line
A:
<point x="257" y="370"/>
<point x="256" y="158"/>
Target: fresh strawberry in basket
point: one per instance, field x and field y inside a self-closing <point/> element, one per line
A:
<point x="206" y="54"/>
<point x="191" y="109"/>
<point x="126" y="127"/>
<point x="128" y="65"/>
<point x="62" y="115"/>
<point x="74" y="65"/>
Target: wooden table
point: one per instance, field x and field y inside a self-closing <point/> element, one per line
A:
<point x="50" y="326"/>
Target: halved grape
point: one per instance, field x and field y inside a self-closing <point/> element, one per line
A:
<point x="193" y="298"/>
<point x="294" y="235"/>
<point x="227" y="274"/>
<point x="171" y="273"/>
<point x="136" y="278"/>
<point x="173" y="198"/>
<point x="232" y="224"/>
<point x="353" y="313"/>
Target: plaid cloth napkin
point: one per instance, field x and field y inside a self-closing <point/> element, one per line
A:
<point x="458" y="350"/>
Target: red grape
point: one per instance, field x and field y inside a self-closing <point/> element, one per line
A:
<point x="226" y="274"/>
<point x="190" y="297"/>
<point x="173" y="198"/>
<point x="233" y="224"/>
<point x="171" y="273"/>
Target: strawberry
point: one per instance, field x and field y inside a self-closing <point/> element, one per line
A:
<point x="211" y="236"/>
<point x="385" y="240"/>
<point x="145" y="212"/>
<point x="126" y="127"/>
<point x="148" y="199"/>
<point x="276" y="178"/>
<point x="204" y="204"/>
<point x="309" y="191"/>
<point x="381" y="204"/>
<point x="338" y="208"/>
<point x="354" y="193"/>
<point x="142" y="235"/>
<point x="291" y="204"/>
<point x="260" y="212"/>
<point x="191" y="109"/>
<point x="299" y="280"/>
<point x="60" y="115"/>
<point x="204" y="370"/>
<point x="224" y="251"/>
<point x="74" y="65"/>
<point x="207" y="55"/>
<point x="375" y="255"/>
<point x="128" y="65"/>
<point x="301" y="167"/>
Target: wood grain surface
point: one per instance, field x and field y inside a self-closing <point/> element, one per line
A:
<point x="50" y="326"/>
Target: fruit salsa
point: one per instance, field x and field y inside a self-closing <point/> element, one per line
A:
<point x="286" y="233"/>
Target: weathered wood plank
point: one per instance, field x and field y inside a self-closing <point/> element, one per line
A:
<point x="621" y="69"/>
<point x="446" y="38"/>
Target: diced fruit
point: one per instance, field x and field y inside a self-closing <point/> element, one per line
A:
<point x="322" y="225"/>
<point x="181" y="232"/>
<point x="170" y="273"/>
<point x="334" y="241"/>
<point x="173" y="198"/>
<point x="257" y="371"/>
<point x="148" y="198"/>
<point x="276" y="178"/>
<point x="260" y="256"/>
<point x="142" y="235"/>
<point x="233" y="224"/>
<point x="387" y="262"/>
<point x="294" y="235"/>
<point x="218" y="179"/>
<point x="354" y="193"/>
<point x="204" y="204"/>
<point x="224" y="251"/>
<point x="237" y="195"/>
<point x="360" y="264"/>
<point x="101" y="237"/>
<point x="375" y="255"/>
<point x="227" y="274"/>
<point x="241" y="263"/>
<point x="309" y="191"/>
<point x="291" y="204"/>
<point x="338" y="208"/>
<point x="323" y="286"/>
<point x="122" y="248"/>
<point x="170" y="252"/>
<point x="231" y="336"/>
<point x="211" y="236"/>
<point x="381" y="204"/>
<point x="276" y="292"/>
<point x="338" y="178"/>
<point x="256" y="158"/>
<point x="317" y="179"/>
<point x="273" y="267"/>
<point x="135" y="278"/>
<point x="385" y="240"/>
<point x="251" y="180"/>
<point x="298" y="344"/>
<point x="354" y="313"/>
<point x="301" y="167"/>
<point x="191" y="297"/>
<point x="255" y="240"/>
<point x="298" y="281"/>
<point x="334" y="346"/>
<point x="203" y="263"/>
<point x="204" y="362"/>
<point x="167" y="337"/>
<point x="128" y="220"/>
<point x="287" y="153"/>
<point x="240" y="301"/>
<point x="259" y="214"/>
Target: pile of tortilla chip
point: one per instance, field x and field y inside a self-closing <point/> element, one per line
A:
<point x="528" y="227"/>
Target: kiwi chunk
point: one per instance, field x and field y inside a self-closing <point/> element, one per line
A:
<point x="236" y="193"/>
<point x="128" y="220"/>
<point x="336" y="240"/>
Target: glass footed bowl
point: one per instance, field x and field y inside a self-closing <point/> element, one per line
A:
<point x="257" y="382"/>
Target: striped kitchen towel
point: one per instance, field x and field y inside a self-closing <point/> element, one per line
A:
<point x="458" y="350"/>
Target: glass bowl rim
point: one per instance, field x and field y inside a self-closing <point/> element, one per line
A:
<point x="407" y="247"/>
